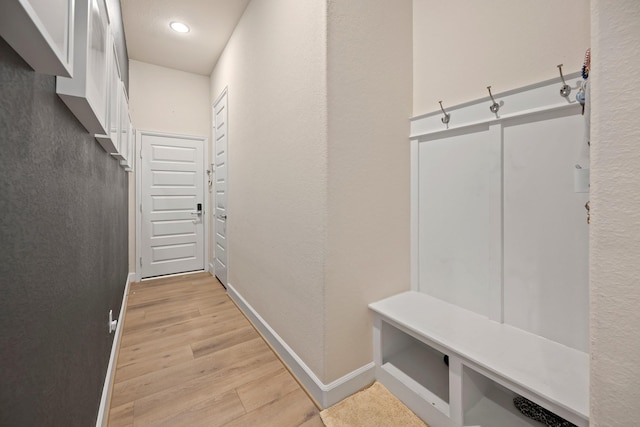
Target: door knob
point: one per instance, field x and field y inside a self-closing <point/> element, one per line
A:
<point x="222" y="217"/>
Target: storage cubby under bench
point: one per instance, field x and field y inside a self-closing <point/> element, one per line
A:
<point x="488" y="364"/>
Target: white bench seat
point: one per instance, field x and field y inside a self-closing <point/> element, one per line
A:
<point x="555" y="374"/>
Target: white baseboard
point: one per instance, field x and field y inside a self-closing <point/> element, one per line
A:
<point x="106" y="389"/>
<point x="212" y="269"/>
<point x="349" y="384"/>
<point x="325" y="394"/>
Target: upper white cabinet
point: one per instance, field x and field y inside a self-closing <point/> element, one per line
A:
<point x="109" y="140"/>
<point x="42" y="32"/>
<point x="116" y="140"/>
<point x="86" y="94"/>
<point x="122" y="148"/>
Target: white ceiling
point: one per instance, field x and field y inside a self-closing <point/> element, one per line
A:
<point x="149" y="38"/>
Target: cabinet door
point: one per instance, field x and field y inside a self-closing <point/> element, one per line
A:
<point x="86" y="94"/>
<point x="42" y="32"/>
<point x="97" y="81"/>
<point x="109" y="140"/>
<point x="123" y="124"/>
<point x="114" y="100"/>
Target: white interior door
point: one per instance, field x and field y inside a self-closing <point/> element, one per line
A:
<point x="172" y="226"/>
<point x="220" y="160"/>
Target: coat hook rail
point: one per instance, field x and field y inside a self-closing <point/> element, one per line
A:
<point x="495" y="106"/>
<point x="565" y="90"/>
<point x="446" y="117"/>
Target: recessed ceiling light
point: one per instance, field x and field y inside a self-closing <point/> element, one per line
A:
<point x="179" y="27"/>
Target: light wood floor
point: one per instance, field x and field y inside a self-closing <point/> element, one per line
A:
<point x="188" y="357"/>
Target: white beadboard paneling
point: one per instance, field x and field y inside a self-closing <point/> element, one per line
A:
<point x="459" y="219"/>
<point x="530" y="271"/>
<point x="415" y="216"/>
<point x="545" y="230"/>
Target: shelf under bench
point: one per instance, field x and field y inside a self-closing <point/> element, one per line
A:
<point x="552" y="374"/>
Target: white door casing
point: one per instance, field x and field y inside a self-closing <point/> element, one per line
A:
<point x="170" y="188"/>
<point x="221" y="186"/>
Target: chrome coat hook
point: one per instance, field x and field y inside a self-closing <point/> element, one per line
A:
<point x="565" y="90"/>
<point x="495" y="106"/>
<point x="446" y="117"/>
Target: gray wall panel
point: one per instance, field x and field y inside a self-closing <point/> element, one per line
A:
<point x="63" y="254"/>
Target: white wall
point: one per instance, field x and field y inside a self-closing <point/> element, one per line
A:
<point x="164" y="100"/>
<point x="369" y="102"/>
<point x="462" y="46"/>
<point x="167" y="100"/>
<point x="615" y="203"/>
<point x="275" y="69"/>
<point x="318" y="142"/>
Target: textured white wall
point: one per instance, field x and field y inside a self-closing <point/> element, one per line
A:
<point x="275" y="68"/>
<point x="369" y="103"/>
<point x="164" y="100"/>
<point x="319" y="99"/>
<point x="615" y="203"/>
<point x="462" y="46"/>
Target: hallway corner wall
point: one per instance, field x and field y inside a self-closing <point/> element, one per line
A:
<point x="615" y="215"/>
<point x="369" y="102"/>
<point x="274" y="67"/>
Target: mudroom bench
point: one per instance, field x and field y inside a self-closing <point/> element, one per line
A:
<point x="487" y="364"/>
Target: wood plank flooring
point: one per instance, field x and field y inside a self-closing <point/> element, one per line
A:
<point x="188" y="357"/>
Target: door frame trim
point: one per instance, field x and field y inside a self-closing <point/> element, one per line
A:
<point x="224" y="92"/>
<point x="205" y="187"/>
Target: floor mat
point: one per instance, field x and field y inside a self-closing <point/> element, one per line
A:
<point x="372" y="407"/>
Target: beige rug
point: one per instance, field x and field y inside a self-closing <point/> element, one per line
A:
<point x="372" y="407"/>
